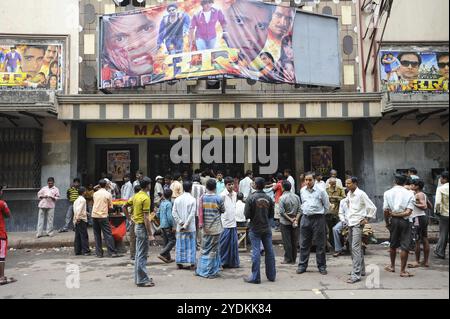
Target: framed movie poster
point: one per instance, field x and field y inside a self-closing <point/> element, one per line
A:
<point x="321" y="159"/>
<point x="118" y="164"/>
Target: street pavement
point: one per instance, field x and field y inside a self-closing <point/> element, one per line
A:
<point x="21" y="240"/>
<point x="52" y="273"/>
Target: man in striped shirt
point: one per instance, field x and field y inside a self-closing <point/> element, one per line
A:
<point x="212" y="207"/>
<point x="72" y="195"/>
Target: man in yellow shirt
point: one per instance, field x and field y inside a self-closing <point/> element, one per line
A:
<point x="141" y="209"/>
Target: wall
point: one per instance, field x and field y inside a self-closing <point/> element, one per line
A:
<point x="52" y="17"/>
<point x="405" y="145"/>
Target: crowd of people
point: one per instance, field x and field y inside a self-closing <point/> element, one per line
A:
<point x="203" y="212"/>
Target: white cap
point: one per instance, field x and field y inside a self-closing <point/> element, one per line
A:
<point x="158" y="177"/>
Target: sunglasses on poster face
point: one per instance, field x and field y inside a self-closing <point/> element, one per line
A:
<point x="172" y="10"/>
<point x="442" y="65"/>
<point x="407" y="63"/>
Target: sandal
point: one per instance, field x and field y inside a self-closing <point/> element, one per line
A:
<point x="389" y="269"/>
<point x="406" y="274"/>
<point x="7" y="281"/>
<point x="147" y="284"/>
<point x="415" y="265"/>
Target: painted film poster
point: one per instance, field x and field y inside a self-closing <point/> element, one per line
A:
<point x="198" y="38"/>
<point x="415" y="70"/>
<point x="118" y="164"/>
<point x="321" y="159"/>
<point x="30" y="66"/>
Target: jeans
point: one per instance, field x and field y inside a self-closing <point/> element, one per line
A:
<point x="355" y="237"/>
<point x="140" y="263"/>
<point x="81" y="243"/>
<point x="332" y="220"/>
<point x="132" y="240"/>
<point x="69" y="218"/>
<point x="49" y="213"/>
<point x="312" y="228"/>
<point x="266" y="240"/>
<point x="176" y="43"/>
<point x="169" y="242"/>
<point x="101" y="225"/>
<point x="289" y="235"/>
<point x="337" y="229"/>
<point x="203" y="44"/>
<point x="441" y="246"/>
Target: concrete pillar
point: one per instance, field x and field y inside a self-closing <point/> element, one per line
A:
<point x="363" y="156"/>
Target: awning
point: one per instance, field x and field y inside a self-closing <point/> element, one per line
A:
<point x="151" y="107"/>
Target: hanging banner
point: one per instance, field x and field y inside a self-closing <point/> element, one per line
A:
<point x="414" y="69"/>
<point x="31" y="66"/>
<point x="197" y="39"/>
<point x="118" y="164"/>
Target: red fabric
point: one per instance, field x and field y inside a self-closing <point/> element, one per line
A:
<point x="119" y="232"/>
<point x="4" y="212"/>
<point x="278" y="190"/>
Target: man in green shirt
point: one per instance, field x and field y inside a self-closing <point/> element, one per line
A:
<point x="141" y="209"/>
<point x="335" y="194"/>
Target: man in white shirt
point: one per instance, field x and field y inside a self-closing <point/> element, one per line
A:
<point x="319" y="182"/>
<point x="81" y="242"/>
<point x="159" y="190"/>
<point x="229" y="250"/>
<point x="398" y="205"/>
<point x="360" y="209"/>
<point x="127" y="188"/>
<point x="245" y="185"/>
<point x="333" y="174"/>
<point x="241" y="221"/>
<point x="184" y="208"/>
<point x="290" y="179"/>
<point x="441" y="209"/>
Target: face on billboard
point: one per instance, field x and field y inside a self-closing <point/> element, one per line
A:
<point x="443" y="65"/>
<point x="281" y="21"/>
<point x="409" y="66"/>
<point x="247" y="32"/>
<point x="33" y="58"/>
<point x="131" y="43"/>
<point x="50" y="54"/>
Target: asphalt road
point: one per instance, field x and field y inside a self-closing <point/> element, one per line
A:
<point x="52" y="273"/>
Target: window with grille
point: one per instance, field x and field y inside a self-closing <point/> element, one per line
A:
<point x="20" y="157"/>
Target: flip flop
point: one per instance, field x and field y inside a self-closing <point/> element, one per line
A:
<point x="389" y="269"/>
<point x="406" y="274"/>
<point x="424" y="265"/>
<point x="7" y="281"/>
<point x="413" y="265"/>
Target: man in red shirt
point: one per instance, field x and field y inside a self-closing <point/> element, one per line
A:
<point x="278" y="191"/>
<point x="4" y="213"/>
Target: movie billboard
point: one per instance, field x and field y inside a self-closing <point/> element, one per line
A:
<point x="31" y="66"/>
<point x="414" y="69"/>
<point x="118" y="164"/>
<point x="197" y="39"/>
<point x="321" y="159"/>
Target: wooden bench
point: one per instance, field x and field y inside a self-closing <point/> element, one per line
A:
<point x="242" y="238"/>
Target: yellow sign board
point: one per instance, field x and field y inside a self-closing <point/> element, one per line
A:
<point x="163" y="130"/>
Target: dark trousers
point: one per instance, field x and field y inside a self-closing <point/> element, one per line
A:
<point x="81" y="243"/>
<point x="312" y="228"/>
<point x="101" y="225"/>
<point x="169" y="242"/>
<point x="289" y="235"/>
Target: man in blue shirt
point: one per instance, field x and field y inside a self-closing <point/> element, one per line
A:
<point x="315" y="204"/>
<point x="220" y="184"/>
<point x="167" y="226"/>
